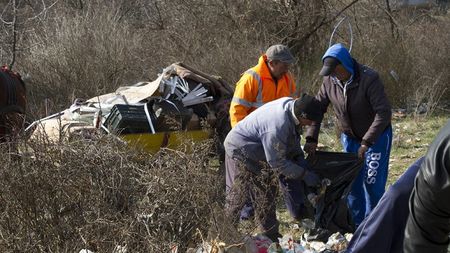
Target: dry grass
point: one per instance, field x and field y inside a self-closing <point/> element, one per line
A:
<point x="79" y="49"/>
<point x="411" y="138"/>
<point x="100" y="194"/>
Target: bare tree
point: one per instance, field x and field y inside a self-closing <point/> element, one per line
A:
<point x="18" y="19"/>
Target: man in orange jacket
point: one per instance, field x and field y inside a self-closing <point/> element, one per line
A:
<point x="267" y="81"/>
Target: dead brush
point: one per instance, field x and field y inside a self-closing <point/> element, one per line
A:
<point x="100" y="195"/>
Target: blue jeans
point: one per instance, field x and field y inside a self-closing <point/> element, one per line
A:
<point x="369" y="185"/>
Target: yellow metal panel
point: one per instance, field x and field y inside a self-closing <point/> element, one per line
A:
<point x="153" y="142"/>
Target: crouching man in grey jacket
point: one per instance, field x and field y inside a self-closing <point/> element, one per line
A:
<point x="262" y="146"/>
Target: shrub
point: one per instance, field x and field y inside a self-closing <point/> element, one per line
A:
<point x="100" y="194"/>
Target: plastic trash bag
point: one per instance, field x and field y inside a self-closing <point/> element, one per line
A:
<point x="338" y="170"/>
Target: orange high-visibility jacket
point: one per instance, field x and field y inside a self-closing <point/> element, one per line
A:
<point x="257" y="87"/>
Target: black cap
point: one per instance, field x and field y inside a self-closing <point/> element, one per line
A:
<point x="308" y="107"/>
<point x="329" y="64"/>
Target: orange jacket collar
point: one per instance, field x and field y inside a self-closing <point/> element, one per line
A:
<point x="262" y="69"/>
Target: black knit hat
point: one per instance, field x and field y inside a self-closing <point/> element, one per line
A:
<point x="308" y="107"/>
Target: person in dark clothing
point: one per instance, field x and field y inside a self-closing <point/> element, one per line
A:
<point x="425" y="226"/>
<point x="428" y="226"/>
<point x="263" y="145"/>
<point x="383" y="230"/>
<point x="363" y="113"/>
<point x="13" y="103"/>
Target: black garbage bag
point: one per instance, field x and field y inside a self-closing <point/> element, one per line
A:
<point x="331" y="211"/>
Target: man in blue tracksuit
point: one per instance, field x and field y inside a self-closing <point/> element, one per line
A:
<point x="263" y="145"/>
<point x="364" y="117"/>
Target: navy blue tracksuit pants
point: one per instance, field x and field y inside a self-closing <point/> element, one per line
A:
<point x="383" y="230"/>
<point x="369" y="185"/>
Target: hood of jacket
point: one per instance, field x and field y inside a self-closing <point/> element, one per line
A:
<point x="341" y="53"/>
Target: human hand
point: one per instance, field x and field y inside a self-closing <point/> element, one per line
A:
<point x="293" y="172"/>
<point x="311" y="179"/>
<point x="362" y="151"/>
<point x="310" y="148"/>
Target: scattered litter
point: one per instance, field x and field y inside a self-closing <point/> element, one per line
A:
<point x="394" y="75"/>
<point x="122" y="249"/>
<point x="316" y="246"/>
<point x="275" y="248"/>
<point x="337" y="243"/>
<point x="85" y="251"/>
<point x="399" y="113"/>
<point x="257" y="244"/>
<point x="288" y="245"/>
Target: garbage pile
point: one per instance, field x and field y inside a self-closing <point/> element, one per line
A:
<point x="181" y="98"/>
<point x="336" y="243"/>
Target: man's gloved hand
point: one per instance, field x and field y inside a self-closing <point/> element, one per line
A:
<point x="310" y="148"/>
<point x="311" y="179"/>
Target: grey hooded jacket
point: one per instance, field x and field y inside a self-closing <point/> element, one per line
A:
<point x="267" y="134"/>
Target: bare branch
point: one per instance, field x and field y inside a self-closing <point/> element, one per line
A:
<point x="14" y="31"/>
<point x="327" y="21"/>
<point x="44" y="10"/>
